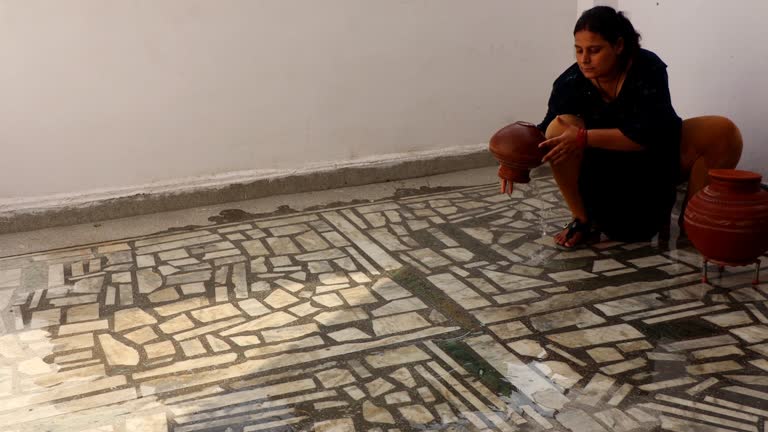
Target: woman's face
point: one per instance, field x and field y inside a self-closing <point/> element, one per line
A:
<point x="596" y="57"/>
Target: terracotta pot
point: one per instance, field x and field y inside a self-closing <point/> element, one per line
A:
<point x="516" y="148"/>
<point x="727" y="221"/>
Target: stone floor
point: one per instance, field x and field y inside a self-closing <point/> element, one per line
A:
<point x="444" y="307"/>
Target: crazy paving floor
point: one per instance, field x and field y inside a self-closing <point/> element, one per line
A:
<point x="431" y="310"/>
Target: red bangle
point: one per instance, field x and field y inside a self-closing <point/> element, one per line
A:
<point x="581" y="137"/>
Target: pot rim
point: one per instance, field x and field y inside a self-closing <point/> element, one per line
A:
<point x="734" y="175"/>
<point x="525" y="123"/>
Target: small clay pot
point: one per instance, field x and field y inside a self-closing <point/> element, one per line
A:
<point x="727" y="221"/>
<point x="516" y="147"/>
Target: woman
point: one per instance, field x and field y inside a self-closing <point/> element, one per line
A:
<point x="613" y="137"/>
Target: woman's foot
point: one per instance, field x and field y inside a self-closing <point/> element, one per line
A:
<point x="576" y="233"/>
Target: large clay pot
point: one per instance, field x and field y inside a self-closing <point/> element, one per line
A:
<point x="727" y="221"/>
<point x="516" y="147"/>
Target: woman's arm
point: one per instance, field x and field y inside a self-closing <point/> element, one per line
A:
<point x="570" y="143"/>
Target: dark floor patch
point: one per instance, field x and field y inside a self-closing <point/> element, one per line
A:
<point x="183" y="228"/>
<point x="677" y="330"/>
<point x="337" y="204"/>
<point x="477" y="366"/>
<point x="238" y="215"/>
<point x="412" y="280"/>
<point x="408" y="192"/>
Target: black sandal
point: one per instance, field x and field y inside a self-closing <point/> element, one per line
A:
<point x="586" y="230"/>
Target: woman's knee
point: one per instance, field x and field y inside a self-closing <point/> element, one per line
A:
<point x="727" y="152"/>
<point x="556" y="128"/>
<point x="717" y="139"/>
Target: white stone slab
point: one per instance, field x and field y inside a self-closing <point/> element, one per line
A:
<point x="528" y="348"/>
<point x="389" y="289"/>
<point x="341" y="316"/>
<point x="337" y="425"/>
<point x="142" y="335"/>
<point x="192" y="348"/>
<point x="280" y="298"/>
<point x="253" y="307"/>
<point x="580" y="317"/>
<point x="176" y="324"/>
<point x="398" y="323"/>
<point x="399" y="306"/>
<point x="511" y="282"/>
<point x="275" y="319"/>
<point x="358" y="296"/>
<point x="285" y="333"/>
<point x="181" y="306"/>
<point x="624" y="366"/>
<point x="416" y="414"/>
<point x="458" y="291"/>
<point x="510" y="330"/>
<point x="131" y="318"/>
<point x="117" y="353"/>
<point x="571" y="275"/>
<point x="85" y="312"/>
<point x="83" y="327"/>
<point x="397" y="356"/>
<point x="215" y="313"/>
<point x="752" y="334"/>
<point x="335" y="377"/>
<point x="605" y="354"/>
<point x="348" y="334"/>
<point x="303" y="309"/>
<point x="650" y="261"/>
<point x="596" y="336"/>
<point x="376" y="414"/>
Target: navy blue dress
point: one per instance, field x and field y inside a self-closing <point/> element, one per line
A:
<point x="628" y="194"/>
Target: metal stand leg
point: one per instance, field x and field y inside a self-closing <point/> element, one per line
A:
<point x="757" y="272"/>
<point x="704" y="273"/>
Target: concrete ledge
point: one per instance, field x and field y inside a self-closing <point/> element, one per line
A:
<point x="58" y="210"/>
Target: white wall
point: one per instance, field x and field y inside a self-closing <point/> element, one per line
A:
<point x="718" y="61"/>
<point x="101" y="94"/>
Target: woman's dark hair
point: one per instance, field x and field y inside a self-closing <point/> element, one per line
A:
<point x="611" y="25"/>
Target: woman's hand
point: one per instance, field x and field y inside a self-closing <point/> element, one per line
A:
<point x="566" y="146"/>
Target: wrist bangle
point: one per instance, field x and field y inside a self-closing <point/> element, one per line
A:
<point x="581" y="137"/>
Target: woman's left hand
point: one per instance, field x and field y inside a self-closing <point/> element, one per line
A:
<point x="565" y="146"/>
